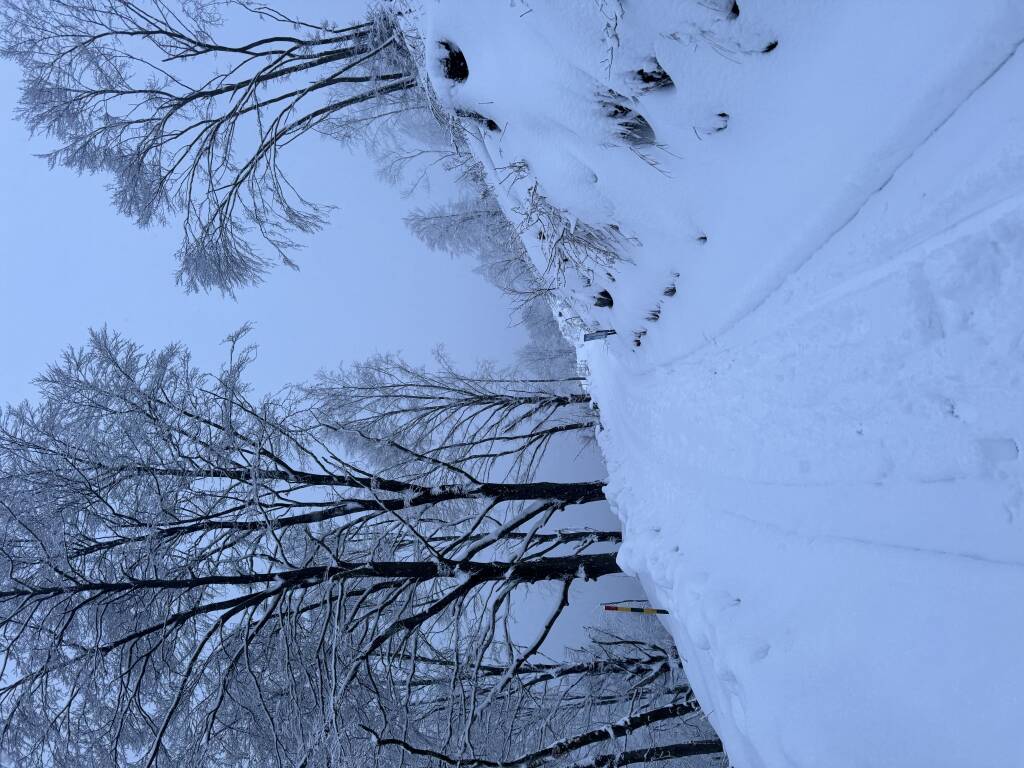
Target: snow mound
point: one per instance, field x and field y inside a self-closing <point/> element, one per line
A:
<point x="813" y="402"/>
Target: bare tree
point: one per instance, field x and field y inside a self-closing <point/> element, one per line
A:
<point x="192" y="118"/>
<point x="193" y="124"/>
<point x="191" y="576"/>
<point x="448" y="425"/>
<point x="617" y="701"/>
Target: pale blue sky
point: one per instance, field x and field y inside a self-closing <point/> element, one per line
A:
<point x="69" y="261"/>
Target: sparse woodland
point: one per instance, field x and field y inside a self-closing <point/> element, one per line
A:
<point x="196" y="574"/>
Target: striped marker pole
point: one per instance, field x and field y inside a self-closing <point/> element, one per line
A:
<point x="630" y="609"/>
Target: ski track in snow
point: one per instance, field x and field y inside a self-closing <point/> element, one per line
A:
<point x="905" y="258"/>
<point x="778" y="529"/>
<point x="1013" y="52"/>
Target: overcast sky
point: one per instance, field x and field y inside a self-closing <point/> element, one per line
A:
<point x="68" y="261"/>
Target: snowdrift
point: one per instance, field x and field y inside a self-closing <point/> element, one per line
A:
<point x="806" y="224"/>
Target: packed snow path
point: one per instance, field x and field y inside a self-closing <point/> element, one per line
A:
<point x="814" y="403"/>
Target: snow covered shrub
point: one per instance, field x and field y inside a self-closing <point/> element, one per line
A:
<point x="653" y="77"/>
<point x="569" y="243"/>
<point x="633" y="127"/>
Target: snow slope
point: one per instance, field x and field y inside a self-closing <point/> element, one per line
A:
<point x="815" y="447"/>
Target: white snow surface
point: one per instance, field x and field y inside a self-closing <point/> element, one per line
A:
<point x="816" y="448"/>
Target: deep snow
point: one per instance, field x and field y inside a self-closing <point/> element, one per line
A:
<point x="815" y="449"/>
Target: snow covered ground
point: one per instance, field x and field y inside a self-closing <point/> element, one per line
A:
<point x="813" y="405"/>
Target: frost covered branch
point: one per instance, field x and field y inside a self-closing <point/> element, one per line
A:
<point x="192" y="126"/>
